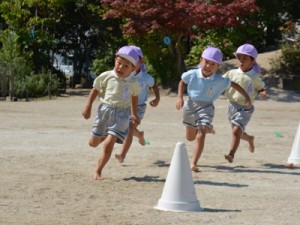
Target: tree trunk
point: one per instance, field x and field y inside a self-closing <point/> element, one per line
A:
<point x="3" y="85"/>
<point x="175" y="50"/>
<point x="11" y="86"/>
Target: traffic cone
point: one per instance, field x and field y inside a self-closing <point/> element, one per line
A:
<point x="179" y="193"/>
<point x="294" y="158"/>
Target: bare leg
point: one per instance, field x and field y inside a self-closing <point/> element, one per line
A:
<point x="94" y="141"/>
<point x="198" y="147"/>
<point x="250" y="140"/>
<point x="190" y="133"/>
<point x="126" y="145"/>
<point x="140" y="136"/>
<point x="211" y="130"/>
<point x="108" y="146"/>
<point x="235" y="142"/>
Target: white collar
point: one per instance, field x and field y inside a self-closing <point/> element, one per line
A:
<point x="138" y="74"/>
<point x="200" y="75"/>
<point x="249" y="72"/>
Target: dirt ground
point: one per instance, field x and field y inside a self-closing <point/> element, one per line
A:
<point x="46" y="167"/>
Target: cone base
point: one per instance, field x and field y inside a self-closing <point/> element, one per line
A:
<point x="179" y="206"/>
<point x="294" y="160"/>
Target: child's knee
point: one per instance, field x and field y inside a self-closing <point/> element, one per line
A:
<point x="236" y="130"/>
<point x="189" y="138"/>
<point x="94" y="142"/>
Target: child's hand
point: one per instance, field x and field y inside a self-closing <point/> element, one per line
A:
<point x="154" y="102"/>
<point x="262" y="94"/>
<point x="179" y="103"/>
<point x="135" y="120"/>
<point x="247" y="103"/>
<point x="86" y="113"/>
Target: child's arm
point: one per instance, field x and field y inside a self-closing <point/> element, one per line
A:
<point x="181" y="88"/>
<point x="243" y="92"/>
<point x="86" y="113"/>
<point x="155" y="91"/>
<point x="134" y="105"/>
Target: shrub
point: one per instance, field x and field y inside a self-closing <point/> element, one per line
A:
<point x="37" y="85"/>
<point x="287" y="65"/>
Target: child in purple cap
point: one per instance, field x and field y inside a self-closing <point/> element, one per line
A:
<point x="145" y="81"/>
<point x="204" y="86"/>
<point x="119" y="97"/>
<point x="248" y="77"/>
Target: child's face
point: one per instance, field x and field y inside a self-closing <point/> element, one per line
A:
<point x="208" y="67"/>
<point x="123" y="68"/>
<point x="245" y="62"/>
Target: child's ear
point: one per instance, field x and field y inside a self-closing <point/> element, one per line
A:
<point x="133" y="68"/>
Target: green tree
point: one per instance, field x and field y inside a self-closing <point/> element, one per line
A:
<point x="45" y="27"/>
<point x="87" y="36"/>
<point x="178" y="19"/>
<point x="33" y="21"/>
<point x="11" y="60"/>
<point x="273" y="14"/>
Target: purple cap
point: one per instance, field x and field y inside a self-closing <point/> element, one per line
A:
<point x="212" y="54"/>
<point x="138" y="50"/>
<point x="249" y="50"/>
<point x="128" y="53"/>
<point x="140" y="53"/>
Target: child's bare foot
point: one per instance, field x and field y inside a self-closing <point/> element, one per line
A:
<point x="290" y="166"/>
<point x="141" y="138"/>
<point x="251" y="144"/>
<point x="97" y="176"/>
<point x="229" y="158"/>
<point x="119" y="158"/>
<point x="195" y="169"/>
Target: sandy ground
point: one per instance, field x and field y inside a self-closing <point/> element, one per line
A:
<point x="46" y="167"/>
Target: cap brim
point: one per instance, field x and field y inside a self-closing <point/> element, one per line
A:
<point x="127" y="57"/>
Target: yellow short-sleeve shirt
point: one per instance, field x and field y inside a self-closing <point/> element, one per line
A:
<point x="115" y="91"/>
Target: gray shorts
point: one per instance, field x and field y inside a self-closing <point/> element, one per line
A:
<point x="141" y="109"/>
<point x="110" y="120"/>
<point x="198" y="113"/>
<point x="239" y="115"/>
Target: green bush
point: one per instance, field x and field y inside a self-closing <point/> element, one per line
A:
<point x="37" y="85"/>
<point x="287" y="65"/>
<point x="291" y="58"/>
<point x="158" y="59"/>
<point x="226" y="39"/>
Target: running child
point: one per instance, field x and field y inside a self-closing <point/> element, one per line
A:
<point x="119" y="97"/>
<point x="249" y="78"/>
<point x="204" y="86"/>
<point x="145" y="81"/>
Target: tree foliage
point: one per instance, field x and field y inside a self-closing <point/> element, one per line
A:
<point x="179" y="19"/>
<point x="171" y="16"/>
<point x="273" y="15"/>
<point x="93" y="29"/>
<point x="66" y="27"/>
<point x="12" y="61"/>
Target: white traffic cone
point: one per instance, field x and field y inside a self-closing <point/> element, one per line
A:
<point x="179" y="193"/>
<point x="294" y="158"/>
